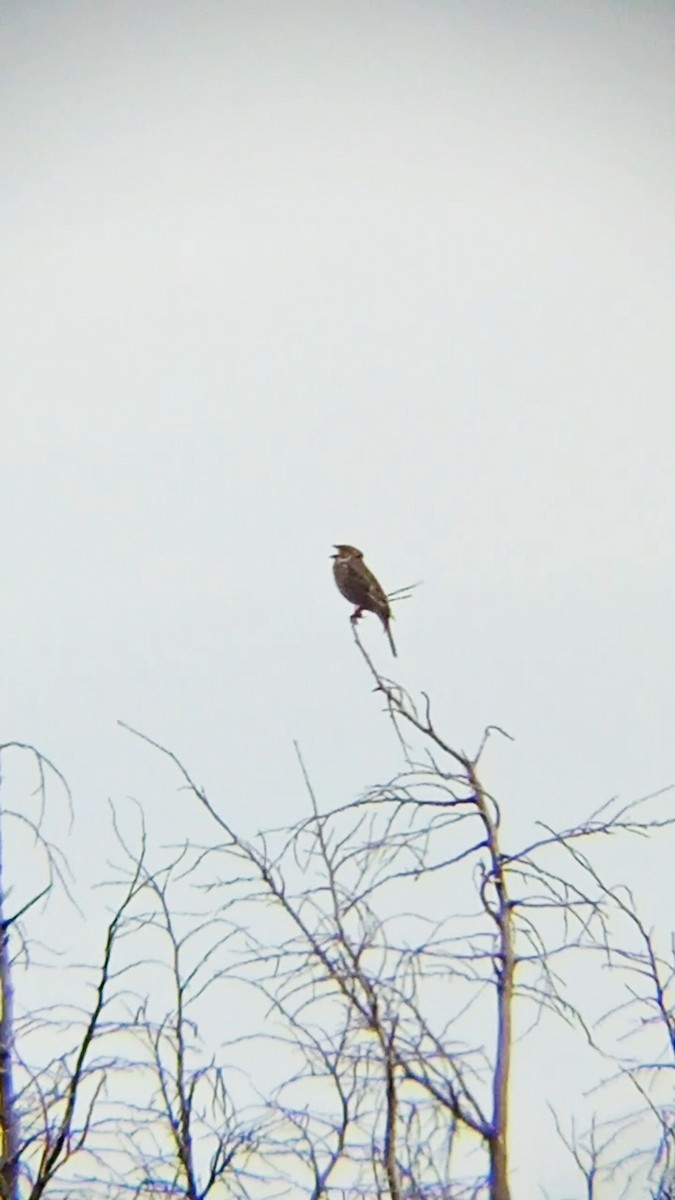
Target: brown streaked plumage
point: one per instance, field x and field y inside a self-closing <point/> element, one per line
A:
<point x="358" y="585"/>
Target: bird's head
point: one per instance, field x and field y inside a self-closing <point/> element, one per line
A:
<point x="347" y="552"/>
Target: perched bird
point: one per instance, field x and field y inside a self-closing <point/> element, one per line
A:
<point x="360" y="587"/>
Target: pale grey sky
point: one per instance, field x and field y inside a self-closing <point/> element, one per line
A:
<point x="279" y="275"/>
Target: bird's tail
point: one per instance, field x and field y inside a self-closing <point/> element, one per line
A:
<point x="391" y="640"/>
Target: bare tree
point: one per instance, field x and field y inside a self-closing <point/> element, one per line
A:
<point x="185" y="1137"/>
<point x="637" y="1143"/>
<point x="49" y="1095"/>
<point x="414" y="937"/>
<point x="334" y="1010"/>
<point x="106" y="1087"/>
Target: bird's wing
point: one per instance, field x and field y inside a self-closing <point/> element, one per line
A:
<point x="377" y="593"/>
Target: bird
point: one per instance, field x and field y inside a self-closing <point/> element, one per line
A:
<point x="358" y="585"/>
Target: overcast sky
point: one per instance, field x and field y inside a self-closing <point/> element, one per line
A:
<point x="279" y="275"/>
